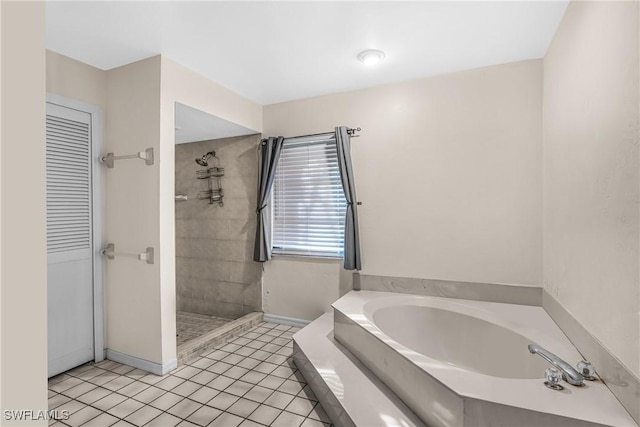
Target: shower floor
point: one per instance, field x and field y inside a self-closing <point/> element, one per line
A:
<point x="192" y="325"/>
<point x="198" y="332"/>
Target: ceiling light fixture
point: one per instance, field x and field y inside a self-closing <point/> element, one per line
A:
<point x="371" y="57"/>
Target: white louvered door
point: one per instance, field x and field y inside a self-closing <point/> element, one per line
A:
<point x="69" y="238"/>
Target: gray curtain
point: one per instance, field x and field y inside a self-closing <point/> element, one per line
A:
<point x="351" y="258"/>
<point x="270" y="149"/>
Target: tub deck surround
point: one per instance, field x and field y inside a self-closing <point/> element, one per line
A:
<point x="349" y="393"/>
<point x="495" y="292"/>
<point x="389" y="333"/>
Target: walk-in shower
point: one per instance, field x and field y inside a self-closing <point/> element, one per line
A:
<point x="218" y="286"/>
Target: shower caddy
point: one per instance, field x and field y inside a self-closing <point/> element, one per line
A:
<point x="212" y="175"/>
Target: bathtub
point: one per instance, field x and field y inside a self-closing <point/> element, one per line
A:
<point x="466" y="363"/>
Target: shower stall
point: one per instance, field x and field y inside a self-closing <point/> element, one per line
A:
<point x="218" y="285"/>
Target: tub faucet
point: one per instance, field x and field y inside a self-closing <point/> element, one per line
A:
<point x="571" y="375"/>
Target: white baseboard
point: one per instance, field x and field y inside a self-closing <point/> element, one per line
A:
<point x="145" y="365"/>
<point x="299" y="323"/>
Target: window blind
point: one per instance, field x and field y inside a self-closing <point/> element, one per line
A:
<point x="308" y="201"/>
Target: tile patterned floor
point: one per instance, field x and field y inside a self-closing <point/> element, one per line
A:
<point x="192" y="325"/>
<point x="250" y="381"/>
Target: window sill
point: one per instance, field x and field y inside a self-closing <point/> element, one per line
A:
<point x="302" y="257"/>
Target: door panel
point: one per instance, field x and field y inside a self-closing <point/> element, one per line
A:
<point x="70" y="314"/>
<point x="69" y="238"/>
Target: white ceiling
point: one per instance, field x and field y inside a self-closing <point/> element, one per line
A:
<point x="271" y="52"/>
<point x="194" y="125"/>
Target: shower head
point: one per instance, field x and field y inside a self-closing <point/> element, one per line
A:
<point x="203" y="161"/>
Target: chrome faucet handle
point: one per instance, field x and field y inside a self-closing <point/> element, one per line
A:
<point x="587" y="370"/>
<point x="553" y="378"/>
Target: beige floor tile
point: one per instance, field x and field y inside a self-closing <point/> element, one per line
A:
<point x="82" y="416"/>
<point x="184" y="408"/>
<point x="272" y="382"/>
<point x="222" y="401"/>
<point x="300" y="406"/>
<point x="94" y="395"/>
<point x="239" y="388"/>
<point x="309" y="422"/>
<point x="186" y="388"/>
<point x="187" y="372"/>
<point x="150" y="394"/>
<point x="103" y="378"/>
<point x="166" y="401"/>
<point x="204" y="415"/>
<point x="169" y="383"/>
<point x="71" y="406"/>
<point x="258" y="394"/>
<point x="137" y="374"/>
<point x="291" y="387"/>
<point x="203" y="377"/>
<point x="90" y="373"/>
<point x="109" y="401"/>
<point x="65" y="384"/>
<point x="227" y="420"/>
<point x="164" y="420"/>
<point x="125" y="408"/>
<point x="134" y="388"/>
<point x="279" y="399"/>
<point x="102" y="420"/>
<point x="221" y="382"/>
<point x="287" y="419"/>
<point x="319" y="414"/>
<point x="243" y="407"/>
<point x="204" y="394"/>
<point x="118" y="383"/>
<point x="143" y="415"/>
<point x="58" y="400"/>
<point x="152" y="379"/>
<point x="265" y="414"/>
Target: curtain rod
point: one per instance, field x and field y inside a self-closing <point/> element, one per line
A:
<point x="350" y="131"/>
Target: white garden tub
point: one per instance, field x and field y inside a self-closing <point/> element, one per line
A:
<point x="466" y="363"/>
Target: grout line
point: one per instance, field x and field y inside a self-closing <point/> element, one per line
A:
<point x="225" y="354"/>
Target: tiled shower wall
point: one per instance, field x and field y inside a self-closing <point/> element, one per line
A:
<point x="214" y="245"/>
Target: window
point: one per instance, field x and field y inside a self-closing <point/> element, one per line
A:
<point x="308" y="201"/>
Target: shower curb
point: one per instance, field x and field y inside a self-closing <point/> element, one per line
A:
<point x="192" y="348"/>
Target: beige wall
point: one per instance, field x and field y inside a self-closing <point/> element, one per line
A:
<point x="301" y="288"/>
<point x="591" y="165"/>
<point x="23" y="259"/>
<point x="132" y="202"/>
<point x="447" y="170"/>
<point x="76" y="80"/>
